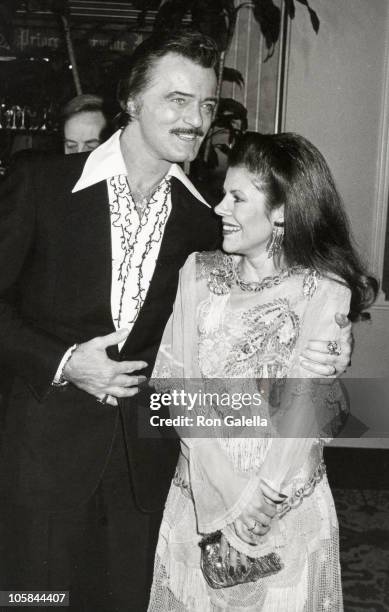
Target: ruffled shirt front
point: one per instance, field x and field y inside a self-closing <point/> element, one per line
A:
<point x="135" y="240"/>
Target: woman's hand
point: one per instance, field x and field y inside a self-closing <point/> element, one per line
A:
<point x="253" y="523"/>
<point x="255" y="519"/>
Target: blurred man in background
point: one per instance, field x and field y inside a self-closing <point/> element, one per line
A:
<point x="85" y="125"/>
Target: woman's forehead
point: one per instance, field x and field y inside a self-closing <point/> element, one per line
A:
<point x="241" y="176"/>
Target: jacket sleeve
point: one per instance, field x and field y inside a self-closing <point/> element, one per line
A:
<point x="27" y="349"/>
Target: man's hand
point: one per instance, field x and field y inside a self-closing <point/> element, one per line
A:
<point x="316" y="357"/>
<point x="91" y="370"/>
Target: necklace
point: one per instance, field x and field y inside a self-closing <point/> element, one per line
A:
<point x="267" y="282"/>
<point x="222" y="277"/>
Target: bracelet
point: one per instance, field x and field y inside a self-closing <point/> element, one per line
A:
<point x="60" y="381"/>
<point x="296" y="499"/>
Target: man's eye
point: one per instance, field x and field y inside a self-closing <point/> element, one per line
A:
<point x="179" y="101"/>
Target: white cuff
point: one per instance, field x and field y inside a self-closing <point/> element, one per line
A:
<point x="58" y="381"/>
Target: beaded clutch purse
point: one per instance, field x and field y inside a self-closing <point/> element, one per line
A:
<point x="218" y="573"/>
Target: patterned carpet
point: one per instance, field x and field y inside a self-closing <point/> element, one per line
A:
<point x="364" y="545"/>
<point x="360" y="485"/>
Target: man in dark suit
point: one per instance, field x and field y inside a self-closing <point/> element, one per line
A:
<point x="92" y="247"/>
<point x="90" y="250"/>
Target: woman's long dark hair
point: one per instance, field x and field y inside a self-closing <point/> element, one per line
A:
<point x="291" y="171"/>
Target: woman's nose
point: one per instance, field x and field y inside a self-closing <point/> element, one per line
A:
<point x="222" y="208"/>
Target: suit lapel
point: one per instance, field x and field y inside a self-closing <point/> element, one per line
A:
<point x="86" y="248"/>
<point x="88" y="252"/>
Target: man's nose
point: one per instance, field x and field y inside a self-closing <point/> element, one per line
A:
<point x="193" y="115"/>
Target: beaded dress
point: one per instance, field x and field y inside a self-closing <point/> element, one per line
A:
<point x="221" y="328"/>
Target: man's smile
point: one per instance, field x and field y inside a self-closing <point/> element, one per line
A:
<point x="187" y="135"/>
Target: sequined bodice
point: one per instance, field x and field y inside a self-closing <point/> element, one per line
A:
<point x="251" y="335"/>
<point x="257" y="342"/>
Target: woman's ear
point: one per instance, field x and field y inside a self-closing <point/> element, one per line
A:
<point x="132" y="108"/>
<point x="277" y="214"/>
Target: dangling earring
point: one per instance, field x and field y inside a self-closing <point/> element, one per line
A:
<point x="275" y="243"/>
<point x="131" y="109"/>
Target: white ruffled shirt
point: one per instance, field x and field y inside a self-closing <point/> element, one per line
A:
<point x="136" y="242"/>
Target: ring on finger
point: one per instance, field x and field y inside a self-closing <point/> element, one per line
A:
<point x="104" y="399"/>
<point x="333" y="348"/>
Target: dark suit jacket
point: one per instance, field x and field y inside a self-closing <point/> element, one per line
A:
<point x="55" y="280"/>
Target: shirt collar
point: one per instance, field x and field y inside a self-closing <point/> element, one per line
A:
<point x="107" y="161"/>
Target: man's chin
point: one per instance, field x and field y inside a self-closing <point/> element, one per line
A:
<point x="180" y="158"/>
<point x="187" y="152"/>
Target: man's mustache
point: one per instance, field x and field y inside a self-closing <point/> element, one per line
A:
<point x="188" y="131"/>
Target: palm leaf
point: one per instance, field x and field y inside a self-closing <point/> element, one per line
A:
<point x="233" y="76"/>
<point x="313" y="15"/>
<point x="171" y="14"/>
<point x="268" y="16"/>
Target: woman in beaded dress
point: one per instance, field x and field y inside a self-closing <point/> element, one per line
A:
<point x="247" y="313"/>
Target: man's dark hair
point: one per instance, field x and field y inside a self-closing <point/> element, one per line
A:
<point x="291" y="171"/>
<point x="190" y="44"/>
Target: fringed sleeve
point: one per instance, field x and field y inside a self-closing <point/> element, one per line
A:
<point x="310" y="407"/>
